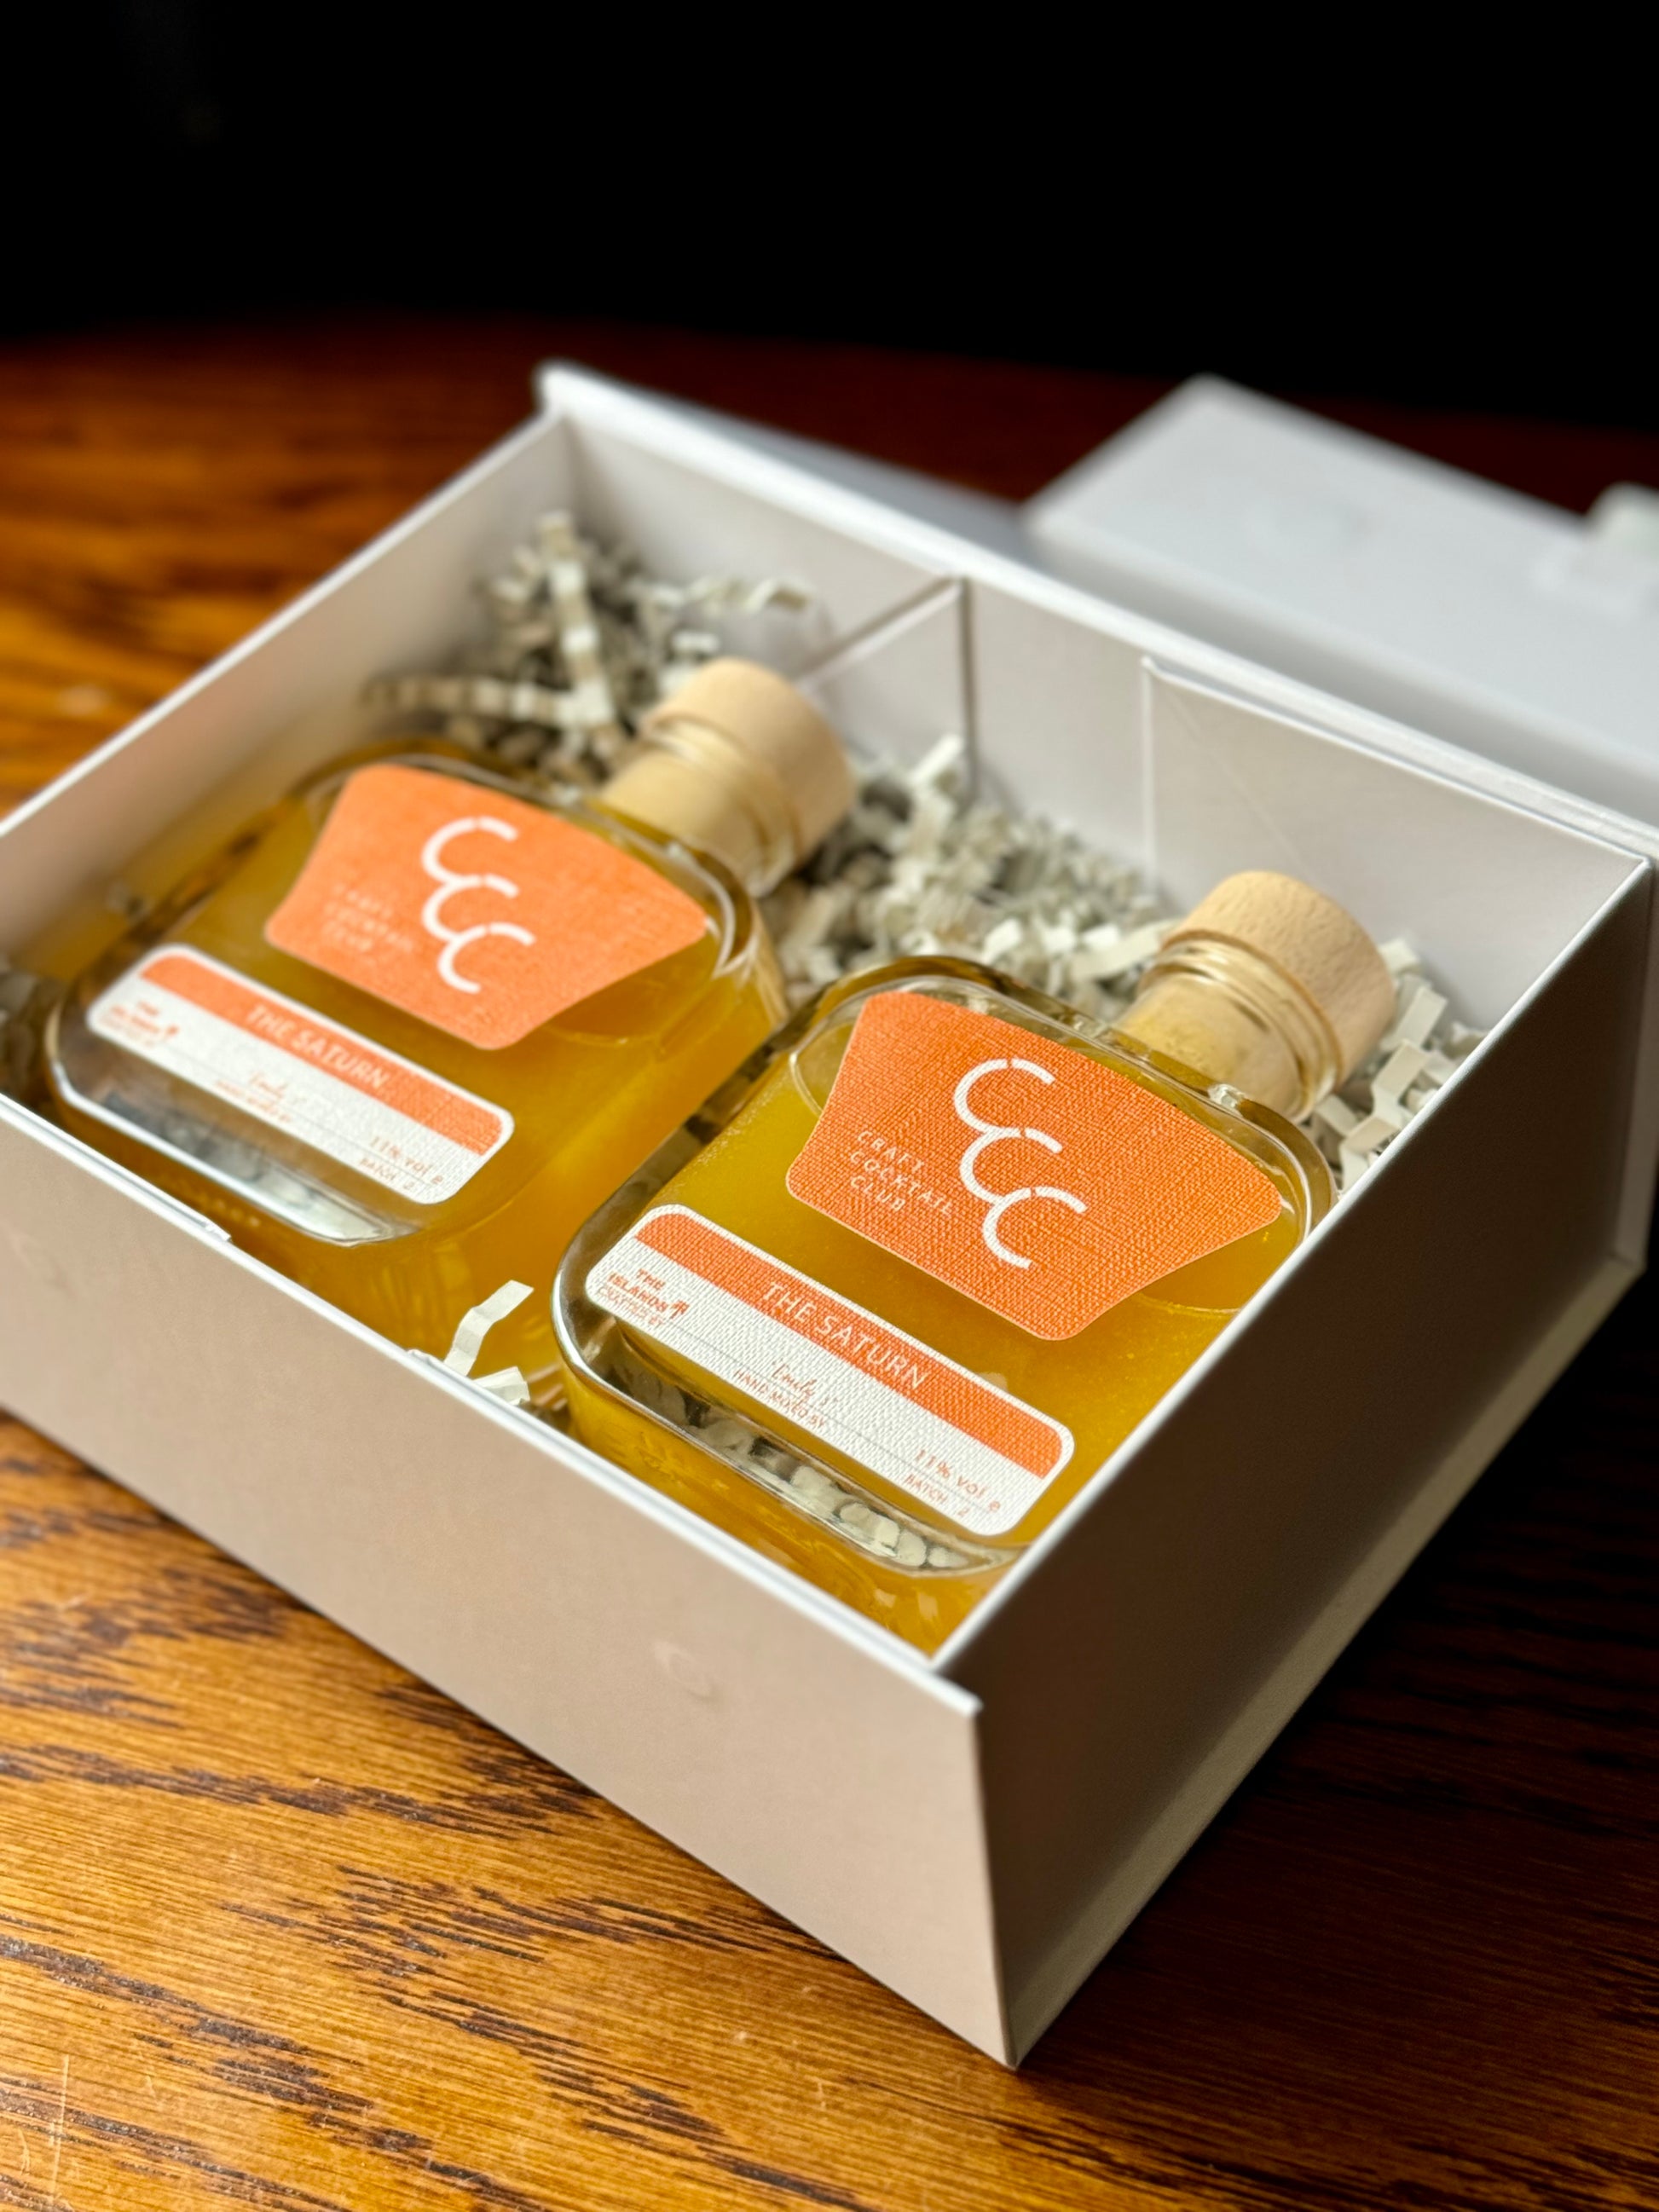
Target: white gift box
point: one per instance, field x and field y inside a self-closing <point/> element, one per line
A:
<point x="1497" y="621"/>
<point x="976" y="1828"/>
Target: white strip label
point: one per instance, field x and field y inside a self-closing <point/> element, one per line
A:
<point x="883" y="1400"/>
<point x="274" y="1058"/>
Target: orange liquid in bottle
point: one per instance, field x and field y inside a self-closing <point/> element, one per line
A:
<point x="400" y="1170"/>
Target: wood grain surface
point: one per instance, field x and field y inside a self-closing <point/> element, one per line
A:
<point x="280" y="1927"/>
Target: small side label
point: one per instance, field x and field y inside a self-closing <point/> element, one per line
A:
<point x="272" y="1058"/>
<point x="927" y="1426"/>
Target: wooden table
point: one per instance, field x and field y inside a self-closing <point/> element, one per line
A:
<point x="279" y="1927"/>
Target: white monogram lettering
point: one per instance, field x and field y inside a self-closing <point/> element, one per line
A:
<point x="997" y="1204"/>
<point x="450" y="881"/>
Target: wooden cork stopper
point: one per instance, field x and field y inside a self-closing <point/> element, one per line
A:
<point x="742" y="765"/>
<point x="1313" y="943"/>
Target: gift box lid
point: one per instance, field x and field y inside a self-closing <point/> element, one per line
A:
<point x="1496" y="620"/>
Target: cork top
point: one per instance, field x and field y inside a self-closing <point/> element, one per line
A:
<point x="741" y="764"/>
<point x="1313" y="943"/>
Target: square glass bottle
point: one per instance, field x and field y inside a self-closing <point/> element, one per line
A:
<point x="403" y="1033"/>
<point x="888" y="1304"/>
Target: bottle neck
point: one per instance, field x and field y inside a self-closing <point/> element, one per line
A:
<point x="693" y="783"/>
<point x="1231" y="1015"/>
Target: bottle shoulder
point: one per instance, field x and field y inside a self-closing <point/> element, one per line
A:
<point x="419" y="847"/>
<point x="427" y="941"/>
<point x="931" y="1139"/>
<point x="702" y="876"/>
<point x="477" y="949"/>
<point x="810" y="1053"/>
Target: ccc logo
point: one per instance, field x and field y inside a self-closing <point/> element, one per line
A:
<point x="452" y="881"/>
<point x="997" y="1204"/>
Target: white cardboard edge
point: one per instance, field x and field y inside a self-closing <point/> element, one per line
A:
<point x="1160" y="1847"/>
<point x="1198" y="392"/>
<point x="799" y="1595"/>
<point x="970" y="1998"/>
<point x="505" y="450"/>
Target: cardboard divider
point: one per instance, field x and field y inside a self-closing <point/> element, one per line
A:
<point x="1410" y="854"/>
<point x="1058" y="703"/>
<point x="682" y="527"/>
<point x="896" y="687"/>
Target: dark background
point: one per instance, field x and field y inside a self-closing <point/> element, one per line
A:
<point x="1338" y="208"/>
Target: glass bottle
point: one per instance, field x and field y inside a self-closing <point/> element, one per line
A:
<point x="886" y="1306"/>
<point x="404" y="1033"/>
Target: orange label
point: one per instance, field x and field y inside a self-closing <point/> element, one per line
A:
<point x="843" y="1374"/>
<point x="479" y="913"/>
<point x="942" y="1389"/>
<point x="271" y="1058"/>
<point x="1016" y="1169"/>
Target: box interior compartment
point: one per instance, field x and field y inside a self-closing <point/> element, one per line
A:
<point x="973" y="1829"/>
<point x="180" y="780"/>
<point x="1192" y="1594"/>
